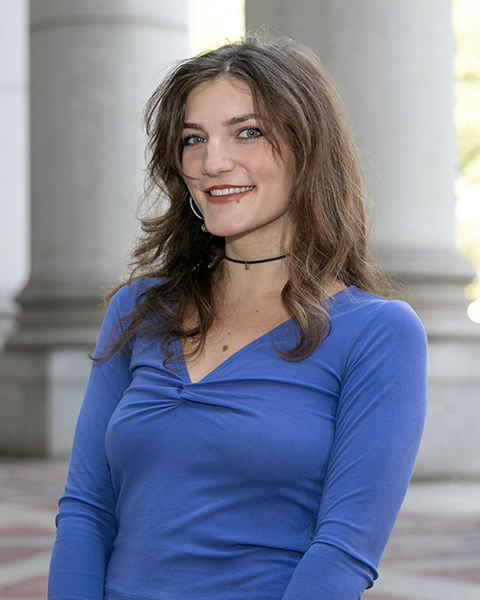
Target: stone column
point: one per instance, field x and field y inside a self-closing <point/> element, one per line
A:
<point x="392" y="63"/>
<point x="93" y="65"/>
<point x="13" y="158"/>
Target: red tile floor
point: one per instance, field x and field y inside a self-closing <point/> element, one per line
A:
<point x="433" y="554"/>
<point x="28" y="502"/>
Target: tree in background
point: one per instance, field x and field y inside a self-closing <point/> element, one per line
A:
<point x="466" y="21"/>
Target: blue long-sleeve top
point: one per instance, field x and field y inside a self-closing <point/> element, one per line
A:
<point x="266" y="480"/>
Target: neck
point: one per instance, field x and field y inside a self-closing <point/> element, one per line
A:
<point x="261" y="279"/>
<point x="247" y="263"/>
<point x="255" y="246"/>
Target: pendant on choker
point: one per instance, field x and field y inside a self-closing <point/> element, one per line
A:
<point x="247" y="263"/>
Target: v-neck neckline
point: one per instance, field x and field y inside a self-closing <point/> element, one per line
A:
<point x="243" y="349"/>
<point x="233" y="356"/>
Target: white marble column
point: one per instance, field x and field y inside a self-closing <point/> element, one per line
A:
<point x="392" y="63"/>
<point x="93" y="65"/>
<point x="13" y="157"/>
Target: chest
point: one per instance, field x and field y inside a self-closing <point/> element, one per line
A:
<point x="229" y="335"/>
<point x="255" y="417"/>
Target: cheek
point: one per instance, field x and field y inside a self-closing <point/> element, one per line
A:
<point x="184" y="166"/>
<point x="282" y="178"/>
<point x="288" y="177"/>
<point x="190" y="166"/>
<point x="280" y="168"/>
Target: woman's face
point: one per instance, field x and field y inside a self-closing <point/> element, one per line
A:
<point x="239" y="185"/>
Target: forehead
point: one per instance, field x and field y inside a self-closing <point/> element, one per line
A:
<point x="217" y="96"/>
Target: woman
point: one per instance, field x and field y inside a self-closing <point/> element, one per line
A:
<point x="255" y="406"/>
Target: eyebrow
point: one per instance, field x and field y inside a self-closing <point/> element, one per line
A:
<point x="228" y="123"/>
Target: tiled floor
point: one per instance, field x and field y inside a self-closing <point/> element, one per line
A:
<point x="434" y="552"/>
<point x="28" y="503"/>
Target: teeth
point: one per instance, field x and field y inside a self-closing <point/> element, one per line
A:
<point x="231" y="190"/>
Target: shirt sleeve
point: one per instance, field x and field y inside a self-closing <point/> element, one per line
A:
<point x="86" y="525"/>
<point x="379" y="424"/>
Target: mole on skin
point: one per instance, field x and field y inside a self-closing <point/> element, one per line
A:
<point x="225" y="348"/>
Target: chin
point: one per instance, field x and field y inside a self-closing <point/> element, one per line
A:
<point x="222" y="230"/>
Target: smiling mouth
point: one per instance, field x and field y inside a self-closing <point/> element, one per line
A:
<point x="229" y="191"/>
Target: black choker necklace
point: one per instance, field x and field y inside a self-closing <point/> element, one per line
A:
<point x="247" y="263"/>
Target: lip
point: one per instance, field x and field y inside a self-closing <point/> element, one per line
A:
<point x="226" y="198"/>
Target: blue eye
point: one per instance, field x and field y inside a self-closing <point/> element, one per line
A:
<point x="192" y="140"/>
<point x="251" y="133"/>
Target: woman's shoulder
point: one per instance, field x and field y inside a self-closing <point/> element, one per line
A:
<point x="127" y="295"/>
<point x="362" y="310"/>
<point x="125" y="299"/>
<point x="354" y="300"/>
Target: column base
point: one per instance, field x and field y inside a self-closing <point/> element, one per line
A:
<point x="434" y="282"/>
<point x="40" y="397"/>
<point x="58" y="314"/>
<point x="451" y="444"/>
<point x="8" y="318"/>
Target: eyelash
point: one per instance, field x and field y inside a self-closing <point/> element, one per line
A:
<point x="255" y="129"/>
<point x="188" y="140"/>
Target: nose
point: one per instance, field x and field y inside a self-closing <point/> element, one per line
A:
<point x="217" y="158"/>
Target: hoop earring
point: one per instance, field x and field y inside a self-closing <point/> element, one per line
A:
<point x="194" y="209"/>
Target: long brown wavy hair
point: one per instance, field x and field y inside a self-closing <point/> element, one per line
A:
<point x="327" y="206"/>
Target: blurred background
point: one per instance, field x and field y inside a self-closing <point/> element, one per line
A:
<point x="74" y="78"/>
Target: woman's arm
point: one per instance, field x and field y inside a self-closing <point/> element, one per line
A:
<point x="86" y="525"/>
<point x="379" y="424"/>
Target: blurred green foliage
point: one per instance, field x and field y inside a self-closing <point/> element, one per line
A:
<point x="466" y="23"/>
